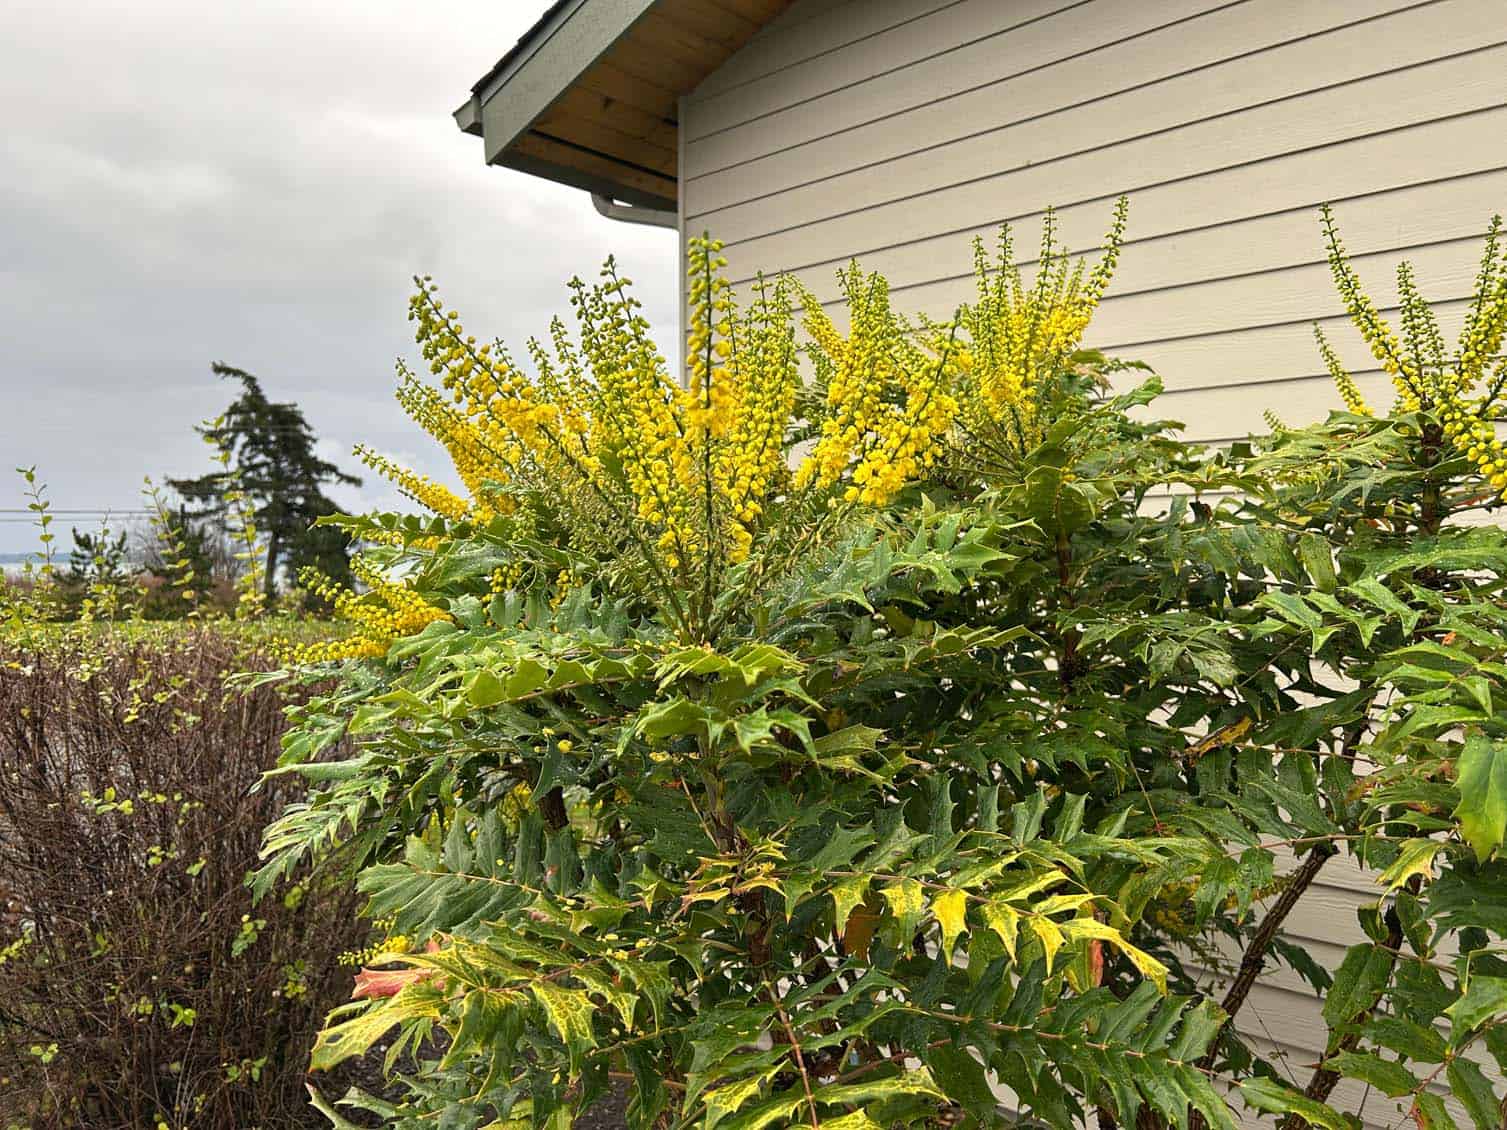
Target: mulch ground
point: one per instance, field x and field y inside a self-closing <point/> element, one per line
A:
<point x="610" y="1114"/>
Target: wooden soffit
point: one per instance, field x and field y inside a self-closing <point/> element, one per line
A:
<point x="589" y="97"/>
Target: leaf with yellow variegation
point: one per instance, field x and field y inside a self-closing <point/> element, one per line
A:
<point x="907" y="903"/>
<point x="1049" y="933"/>
<point x="858" y="1120"/>
<point x="354" y="1037"/>
<point x="1004" y="920"/>
<point x="951" y="909"/>
<point x="728" y="1100"/>
<point x="1415" y="858"/>
<point x="1083" y="929"/>
<point x="845" y="896"/>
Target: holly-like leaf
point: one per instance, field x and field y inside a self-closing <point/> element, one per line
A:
<point x="1148" y="966"/>
<point x="1416" y="857"/>
<point x="570" y="1014"/>
<point x="1485" y="998"/>
<point x="355" y="1037"/>
<point x="1004" y="920"/>
<point x="1473" y="1089"/>
<point x="728" y="1100"/>
<point x="951" y="909"/>
<point x="1387" y="1075"/>
<point x="907" y="904"/>
<point x="1481" y="776"/>
<point x="1265" y="1094"/>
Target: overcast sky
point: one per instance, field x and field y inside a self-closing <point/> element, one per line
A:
<point x="256" y="183"/>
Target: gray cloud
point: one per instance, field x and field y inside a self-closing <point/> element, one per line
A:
<point x="255" y="183"/>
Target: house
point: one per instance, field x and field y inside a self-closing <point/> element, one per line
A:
<point x="805" y="133"/>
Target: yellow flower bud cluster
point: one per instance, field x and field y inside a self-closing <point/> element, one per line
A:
<point x="504" y="578"/>
<point x="603" y="428"/>
<point x="601" y="452"/>
<point x="1022" y="339"/>
<point x="1428" y="377"/>
<point x="888" y="395"/>
<point x="742" y="381"/>
<point x="1349" y="392"/>
<point x="385" y="611"/>
<point x="639" y="419"/>
<point x="565" y="581"/>
<point x="422" y="489"/>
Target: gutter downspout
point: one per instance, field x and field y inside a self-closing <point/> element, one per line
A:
<point x="630" y="214"/>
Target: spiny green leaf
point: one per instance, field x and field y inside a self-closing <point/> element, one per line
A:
<point x="1360" y="979"/>
<point x="1482" y="812"/>
<point x="570" y="1013"/>
<point x="1475" y="1093"/>
<point x="1387" y="1075"/>
<point x="1485" y="999"/>
<point x="1266" y="1094"/>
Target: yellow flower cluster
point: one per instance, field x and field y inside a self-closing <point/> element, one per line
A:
<point x="740" y="394"/>
<point x="384" y="941"/>
<point x="605" y="425"/>
<point x="385" y="611"/>
<point x="1429" y="378"/>
<point x="1349" y="392"/>
<point x="1022" y="339"/>
<point x="888" y="394"/>
<point x="667" y="483"/>
<point x="480" y="459"/>
<point x="422" y="489"/>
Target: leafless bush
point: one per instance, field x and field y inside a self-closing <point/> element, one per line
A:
<point x="139" y="986"/>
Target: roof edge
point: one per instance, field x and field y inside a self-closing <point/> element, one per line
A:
<point x="556" y="14"/>
<point x="569" y="38"/>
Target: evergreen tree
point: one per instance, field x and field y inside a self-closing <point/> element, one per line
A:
<point x="97" y="558"/>
<point x="274" y="462"/>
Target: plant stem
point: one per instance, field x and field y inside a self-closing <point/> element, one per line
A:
<point x="1253" y="961"/>
<point x="1428" y="457"/>
<point x="1324" y="1079"/>
<point x="1254" y="958"/>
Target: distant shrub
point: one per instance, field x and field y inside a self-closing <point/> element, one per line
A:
<point x="138" y="985"/>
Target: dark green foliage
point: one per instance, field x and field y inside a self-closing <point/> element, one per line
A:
<point x="964" y="795"/>
<point x="97" y="558"/>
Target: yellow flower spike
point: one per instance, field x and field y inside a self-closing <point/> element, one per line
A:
<point x="1428" y="377"/>
<point x="1021" y="339"/>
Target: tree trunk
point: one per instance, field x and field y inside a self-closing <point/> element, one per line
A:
<point x="269" y="582"/>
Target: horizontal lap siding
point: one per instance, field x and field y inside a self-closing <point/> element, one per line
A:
<point x="895" y="131"/>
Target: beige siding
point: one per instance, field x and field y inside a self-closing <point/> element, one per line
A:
<point x="896" y="130"/>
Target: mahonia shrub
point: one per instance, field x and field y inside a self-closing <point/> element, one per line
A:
<point x="866" y="747"/>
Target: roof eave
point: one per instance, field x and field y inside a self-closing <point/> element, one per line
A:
<point x="575" y="178"/>
<point x="571" y="36"/>
<point x="468" y="116"/>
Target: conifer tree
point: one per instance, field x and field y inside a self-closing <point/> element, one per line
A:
<point x="273" y="461"/>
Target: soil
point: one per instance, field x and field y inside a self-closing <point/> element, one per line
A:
<point x="609" y="1114"/>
